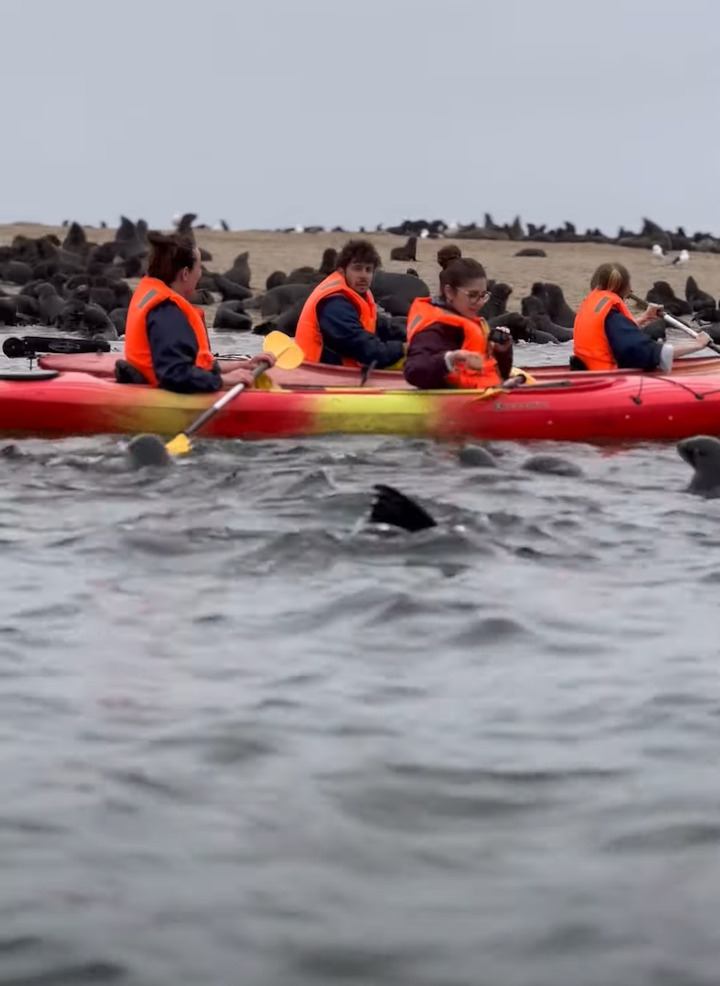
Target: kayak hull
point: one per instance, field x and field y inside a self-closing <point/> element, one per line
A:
<point x="320" y="375"/>
<point x="603" y="409"/>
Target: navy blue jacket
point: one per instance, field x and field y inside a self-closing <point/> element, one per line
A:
<point x="630" y="346"/>
<point x="344" y="336"/>
<point x="174" y="350"/>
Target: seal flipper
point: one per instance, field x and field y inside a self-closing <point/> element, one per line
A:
<point x="390" y="506"/>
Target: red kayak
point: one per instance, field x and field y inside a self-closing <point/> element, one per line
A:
<point x="603" y="408"/>
<point x="319" y="375"/>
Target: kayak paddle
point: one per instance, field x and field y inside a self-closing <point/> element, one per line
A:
<point x="676" y="323"/>
<point x="147" y="450"/>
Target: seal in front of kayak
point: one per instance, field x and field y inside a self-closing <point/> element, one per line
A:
<point x="476" y="456"/>
<point x="551" y="465"/>
<point x="148" y="450"/>
<point x="702" y="452"/>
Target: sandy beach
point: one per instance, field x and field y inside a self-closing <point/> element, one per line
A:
<point x="568" y="265"/>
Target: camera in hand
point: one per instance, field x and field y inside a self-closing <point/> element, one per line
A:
<point x="499" y="336"/>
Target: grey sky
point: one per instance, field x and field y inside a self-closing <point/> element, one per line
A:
<point x="280" y="112"/>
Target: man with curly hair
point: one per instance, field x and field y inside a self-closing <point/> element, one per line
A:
<point x="338" y="323"/>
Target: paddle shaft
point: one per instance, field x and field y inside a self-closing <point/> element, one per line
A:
<point x="676" y="323"/>
<point x="224" y="400"/>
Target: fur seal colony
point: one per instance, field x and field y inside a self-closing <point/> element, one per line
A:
<point x="80" y="280"/>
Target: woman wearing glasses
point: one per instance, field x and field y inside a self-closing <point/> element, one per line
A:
<point x="449" y="345"/>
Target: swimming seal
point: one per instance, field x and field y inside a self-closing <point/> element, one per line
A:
<point x="551" y="465"/>
<point x="477" y="457"/>
<point x="702" y="452"/>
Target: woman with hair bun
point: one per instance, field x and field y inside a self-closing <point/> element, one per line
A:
<point x="449" y="344"/>
<point x="607" y="337"/>
<point x="166" y="341"/>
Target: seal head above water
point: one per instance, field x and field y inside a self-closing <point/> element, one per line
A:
<point x="702" y="452"/>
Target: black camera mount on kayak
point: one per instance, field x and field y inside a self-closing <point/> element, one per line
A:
<point x="30" y="347"/>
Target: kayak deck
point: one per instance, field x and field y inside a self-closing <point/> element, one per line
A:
<point x="313" y="375"/>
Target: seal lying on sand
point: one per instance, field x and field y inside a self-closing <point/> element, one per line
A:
<point x="702" y="452"/>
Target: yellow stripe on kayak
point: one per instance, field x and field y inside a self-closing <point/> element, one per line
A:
<point x="398" y="412"/>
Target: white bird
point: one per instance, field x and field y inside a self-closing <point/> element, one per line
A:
<point x="657" y="251"/>
<point x="681" y="259"/>
<point x="299" y="229"/>
<point x="424" y="233"/>
<point x="176" y="220"/>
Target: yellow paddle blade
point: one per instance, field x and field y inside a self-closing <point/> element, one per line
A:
<point x="517" y="372"/>
<point x="265" y="382"/>
<point x="483" y="395"/>
<point x="286" y="351"/>
<point x="179" y="445"/>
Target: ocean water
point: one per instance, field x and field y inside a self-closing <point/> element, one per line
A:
<point x="248" y="737"/>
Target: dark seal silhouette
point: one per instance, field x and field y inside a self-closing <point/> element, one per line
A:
<point x="392" y="507"/>
<point x="406" y="252"/>
<point x="702" y="452"/>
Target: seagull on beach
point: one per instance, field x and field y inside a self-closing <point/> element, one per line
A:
<point x="680" y="260"/>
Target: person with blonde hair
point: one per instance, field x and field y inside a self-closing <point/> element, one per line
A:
<point x="607" y="337"/>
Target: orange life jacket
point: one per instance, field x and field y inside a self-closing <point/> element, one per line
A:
<point x="423" y="313"/>
<point x="308" y="335"/>
<point x="149" y="293"/>
<point x="590" y="341"/>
